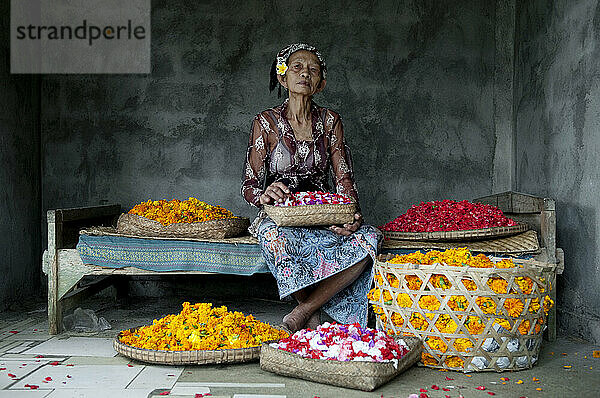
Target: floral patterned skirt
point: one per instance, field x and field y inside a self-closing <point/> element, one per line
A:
<point x="300" y="257"/>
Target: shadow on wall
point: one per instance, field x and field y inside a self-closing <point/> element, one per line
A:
<point x="576" y="234"/>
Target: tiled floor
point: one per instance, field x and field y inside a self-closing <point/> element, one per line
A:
<point x="77" y="365"/>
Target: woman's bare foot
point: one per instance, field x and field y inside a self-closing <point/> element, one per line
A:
<point x="314" y="320"/>
<point x="296" y="319"/>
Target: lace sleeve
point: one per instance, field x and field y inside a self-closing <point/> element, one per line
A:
<point x="341" y="161"/>
<point x="254" y="170"/>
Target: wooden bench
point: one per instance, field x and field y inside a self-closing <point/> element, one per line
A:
<point x="66" y="271"/>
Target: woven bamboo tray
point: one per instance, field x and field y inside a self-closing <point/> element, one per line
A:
<point x="133" y="224"/>
<point x="365" y="376"/>
<point x="192" y="357"/>
<point x="469" y="234"/>
<point x="478" y="342"/>
<point x="311" y="215"/>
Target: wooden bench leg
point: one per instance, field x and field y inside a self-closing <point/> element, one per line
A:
<point x="54" y="305"/>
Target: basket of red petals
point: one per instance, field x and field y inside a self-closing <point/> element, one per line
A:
<point x="451" y="220"/>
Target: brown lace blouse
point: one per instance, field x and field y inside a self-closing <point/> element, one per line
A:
<point x="274" y="154"/>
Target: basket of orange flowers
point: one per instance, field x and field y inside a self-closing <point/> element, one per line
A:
<point x="189" y="218"/>
<point x="473" y="312"/>
<point x="200" y="334"/>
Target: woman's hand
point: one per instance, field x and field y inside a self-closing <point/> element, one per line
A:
<point x="348" y="229"/>
<point x="276" y="192"/>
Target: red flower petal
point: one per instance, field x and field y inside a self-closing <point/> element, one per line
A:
<point x="14" y="331"/>
<point x="491" y="393"/>
<point x="39" y="356"/>
<point x="449" y="378"/>
<point x="423" y="395"/>
<point x="2" y="368"/>
<point x="48" y="378"/>
<point x="445" y="389"/>
<point x="422" y="390"/>
<point x="480" y="388"/>
<point x="69" y="376"/>
<point x="70" y="364"/>
<point x="165" y="393"/>
<point x="12" y="375"/>
<point x="129" y="365"/>
<point x="434" y="387"/>
<point x="32" y="386"/>
<point x="54" y="363"/>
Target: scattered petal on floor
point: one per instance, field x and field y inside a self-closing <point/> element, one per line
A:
<point x="567" y="366"/>
<point x="519" y="381"/>
<point x="481" y="388"/>
<point x="596" y="353"/>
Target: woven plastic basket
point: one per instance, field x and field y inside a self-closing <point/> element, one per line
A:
<point x="465" y="324"/>
<point x="311" y="215"/>
<point x="192" y="357"/>
<point x="365" y="376"/>
<point x="218" y="229"/>
<point x="469" y="234"/>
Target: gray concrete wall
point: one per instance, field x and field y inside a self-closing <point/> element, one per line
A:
<point x="20" y="204"/>
<point x="414" y="82"/>
<point x="557" y="119"/>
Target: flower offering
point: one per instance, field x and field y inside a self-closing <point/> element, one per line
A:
<point x="315" y="198"/>
<point x="460" y="313"/>
<point x="332" y="341"/>
<point x="448" y="215"/>
<point x="177" y="211"/>
<point x="202" y="327"/>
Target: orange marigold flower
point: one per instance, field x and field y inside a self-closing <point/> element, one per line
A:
<point x="413" y="282"/>
<point x="458" y="303"/>
<point x="418" y="321"/>
<point x="469" y="284"/>
<point x="428" y="359"/>
<point x="429" y="302"/>
<point x="454" y="362"/>
<point x="445" y="324"/>
<point x="404" y="300"/>
<point x="514" y="307"/>
<point x="498" y="285"/>
<point x="463" y="345"/>
<point x="440" y="281"/>
<point x="487" y="305"/>
<point x="436" y="343"/>
<point x="474" y="325"/>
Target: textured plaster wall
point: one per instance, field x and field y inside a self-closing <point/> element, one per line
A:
<point x="557" y="119"/>
<point x="20" y="251"/>
<point x="413" y="81"/>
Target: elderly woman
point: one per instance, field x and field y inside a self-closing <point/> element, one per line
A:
<point x="294" y="147"/>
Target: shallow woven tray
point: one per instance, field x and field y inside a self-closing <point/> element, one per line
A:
<point x="523" y="243"/>
<point x="365" y="376"/>
<point x="469" y="234"/>
<point x="192" y="357"/>
<point x="311" y="215"/>
<point x="141" y="226"/>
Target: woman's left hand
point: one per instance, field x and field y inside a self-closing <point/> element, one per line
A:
<point x="348" y="229"/>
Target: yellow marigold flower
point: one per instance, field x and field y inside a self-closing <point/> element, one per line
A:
<point x="436" y="343"/>
<point x="404" y="300"/>
<point x="418" y="321"/>
<point x="463" y="345"/>
<point x="498" y="285"/>
<point x="458" y="303"/>
<point x="514" y="307"/>
<point x="175" y="211"/>
<point x="429" y="302"/>
<point x="413" y="282"/>
<point x="504" y="323"/>
<point x="374" y="294"/>
<point x="534" y="305"/>
<point x="440" y="281"/>
<point x="392" y="280"/>
<point x="377" y="309"/>
<point x="387" y="297"/>
<point x="397" y="319"/>
<point x="474" y="325"/>
<point x="525" y="284"/>
<point x="469" y="284"/>
<point x="454" y="362"/>
<point x="428" y="359"/>
<point x="445" y="324"/>
<point x="548" y="303"/>
<point x="525" y="326"/>
<point x="487" y="305"/>
<point x="202" y="327"/>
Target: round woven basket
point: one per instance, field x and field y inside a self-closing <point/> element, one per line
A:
<point x="365" y="376"/>
<point x="311" y="215"/>
<point x="482" y="336"/>
<point x="192" y="357"/>
<point x="217" y="229"/>
<point x="468" y="234"/>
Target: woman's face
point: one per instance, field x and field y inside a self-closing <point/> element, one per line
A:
<point x="303" y="75"/>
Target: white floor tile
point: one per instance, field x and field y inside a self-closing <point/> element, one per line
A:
<point x="103" y="393"/>
<point x="17" y="368"/>
<point x="257" y="396"/>
<point x="24" y="393"/>
<point x="75" y="346"/>
<point x="189" y="389"/>
<point x="156" y="377"/>
<point x="81" y="377"/>
<point x="229" y="385"/>
<point x="23" y="346"/>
